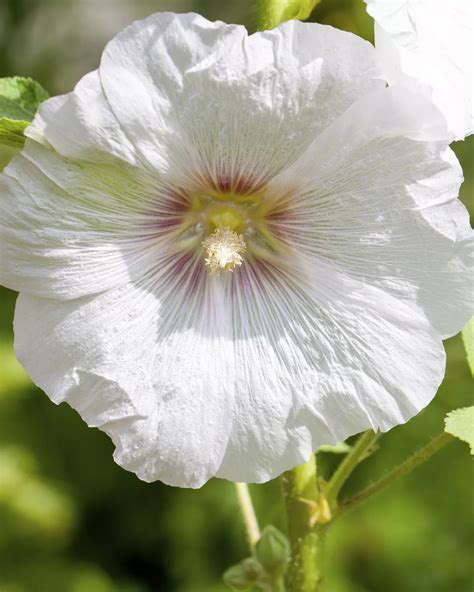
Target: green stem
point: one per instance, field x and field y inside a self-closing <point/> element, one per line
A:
<point x="248" y="514"/>
<point x="306" y="541"/>
<point x="403" y="469"/>
<point x="347" y="466"/>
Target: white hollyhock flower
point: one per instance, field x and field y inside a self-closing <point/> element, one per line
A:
<point x="233" y="249"/>
<point x="427" y="44"/>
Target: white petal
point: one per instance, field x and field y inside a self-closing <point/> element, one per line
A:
<point x="166" y="371"/>
<point x="80" y="125"/>
<point x="320" y="357"/>
<point x="376" y="195"/>
<point x="427" y="44"/>
<point x="207" y="100"/>
<point x="70" y="228"/>
<point x="149" y="364"/>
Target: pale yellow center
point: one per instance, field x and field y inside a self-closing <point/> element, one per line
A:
<point x="224" y="249"/>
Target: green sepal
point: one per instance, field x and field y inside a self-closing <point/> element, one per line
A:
<point x="19" y="101"/>
<point x="468" y="339"/>
<point x="460" y="423"/>
<point x="273" y="12"/>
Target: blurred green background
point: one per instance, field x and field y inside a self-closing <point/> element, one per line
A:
<point x="73" y="521"/>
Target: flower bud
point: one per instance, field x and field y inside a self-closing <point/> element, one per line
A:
<point x="273" y="551"/>
<point x="236" y="578"/>
<point x="252" y="569"/>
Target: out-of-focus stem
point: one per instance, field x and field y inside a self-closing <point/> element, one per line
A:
<point x="248" y="514"/>
<point x="278" y="586"/>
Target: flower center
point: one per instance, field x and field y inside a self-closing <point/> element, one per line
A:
<point x="225" y="225"/>
<point x="224" y="249"/>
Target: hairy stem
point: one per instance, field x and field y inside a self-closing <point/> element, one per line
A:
<point x="248" y="514"/>
<point x="347" y="466"/>
<point x="306" y="541"/>
<point x="403" y="469"/>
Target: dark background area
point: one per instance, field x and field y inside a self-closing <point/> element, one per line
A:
<point x="73" y="521"/>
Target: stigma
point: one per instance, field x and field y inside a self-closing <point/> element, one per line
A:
<point x="224" y="249"/>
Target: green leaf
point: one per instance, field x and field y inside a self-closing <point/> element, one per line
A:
<point x="19" y="100"/>
<point x="468" y="338"/>
<point x="339" y="448"/>
<point x="460" y="423"/>
<point x="11" y="132"/>
<point x="20" y="97"/>
<point x="273" y="12"/>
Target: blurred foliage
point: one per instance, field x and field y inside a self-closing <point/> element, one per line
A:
<point x="73" y="521"/>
